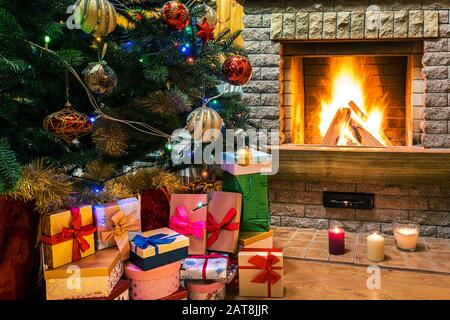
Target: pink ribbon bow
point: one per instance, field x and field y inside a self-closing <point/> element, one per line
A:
<point x="180" y="223"/>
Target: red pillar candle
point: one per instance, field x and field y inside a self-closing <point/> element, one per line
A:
<point x="336" y="240"/>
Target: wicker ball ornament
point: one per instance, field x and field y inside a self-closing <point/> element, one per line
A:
<point x="68" y="124"/>
<point x="204" y="124"/>
<point x="175" y="15"/>
<point x="100" y="78"/>
<point x="209" y="14"/>
<point x="96" y="17"/>
<point x="237" y="70"/>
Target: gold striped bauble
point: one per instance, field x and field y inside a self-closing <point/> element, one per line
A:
<point x="204" y="124"/>
<point x="96" y="17"/>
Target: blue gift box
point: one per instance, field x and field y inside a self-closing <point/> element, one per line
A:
<point x="156" y="248"/>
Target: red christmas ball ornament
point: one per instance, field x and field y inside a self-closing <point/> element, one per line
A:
<point x="175" y="15"/>
<point x="68" y="124"/>
<point x="237" y="70"/>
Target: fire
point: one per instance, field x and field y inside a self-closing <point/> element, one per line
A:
<point x="347" y="85"/>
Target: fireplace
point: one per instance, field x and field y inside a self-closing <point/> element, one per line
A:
<point x="360" y="93"/>
<point x="349" y="100"/>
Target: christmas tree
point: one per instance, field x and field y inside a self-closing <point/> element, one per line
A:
<point x="127" y="88"/>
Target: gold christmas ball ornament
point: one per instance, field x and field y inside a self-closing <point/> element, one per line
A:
<point x="100" y="78"/>
<point x="68" y="124"/>
<point x="95" y="17"/>
<point x="209" y="14"/>
<point x="204" y="124"/>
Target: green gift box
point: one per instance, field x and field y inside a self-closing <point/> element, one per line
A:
<point x="255" y="214"/>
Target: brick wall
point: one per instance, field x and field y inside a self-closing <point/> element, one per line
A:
<point x="299" y="204"/>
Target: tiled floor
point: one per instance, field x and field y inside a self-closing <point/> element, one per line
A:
<point x="432" y="254"/>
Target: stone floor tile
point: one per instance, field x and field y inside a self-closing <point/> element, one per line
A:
<point x="303" y="236"/>
<point x="440" y="256"/>
<point x="299" y="243"/>
<point x="419" y="264"/>
<point x="348" y="257"/>
<point x="317" y="254"/>
<point x="441" y="266"/>
<point x="319" y="245"/>
<point x="295" y="252"/>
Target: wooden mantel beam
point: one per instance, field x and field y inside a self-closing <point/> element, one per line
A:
<point x="390" y="165"/>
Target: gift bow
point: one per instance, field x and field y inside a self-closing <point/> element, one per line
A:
<point x="76" y="232"/>
<point x="154" y="241"/>
<point x="267" y="275"/>
<point x="206" y="258"/>
<point x="180" y="223"/>
<point x="121" y="224"/>
<point x="214" y="228"/>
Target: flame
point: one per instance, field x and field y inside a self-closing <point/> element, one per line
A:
<point x="347" y="83"/>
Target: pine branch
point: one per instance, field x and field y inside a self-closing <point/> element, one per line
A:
<point x="9" y="25"/>
<point x="9" y="168"/>
<point x="15" y="66"/>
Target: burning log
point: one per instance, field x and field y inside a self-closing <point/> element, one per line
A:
<point x="363" y="136"/>
<point x="354" y="107"/>
<point x="340" y="120"/>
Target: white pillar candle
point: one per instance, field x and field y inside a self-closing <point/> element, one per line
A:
<point x="406" y="238"/>
<point x="375" y="247"/>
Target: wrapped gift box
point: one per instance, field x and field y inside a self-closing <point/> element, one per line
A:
<point x="240" y="164"/>
<point x="153" y="284"/>
<point x="93" y="277"/>
<point x="159" y="247"/>
<point x="181" y="294"/>
<point x="186" y="217"/>
<point x="120" y="292"/>
<point x="248" y="239"/>
<point x="206" y="290"/>
<point x="205" y="267"/>
<point x="67" y="236"/>
<point x="255" y="214"/>
<point x="224" y="215"/>
<point x="261" y="272"/>
<point x="117" y="223"/>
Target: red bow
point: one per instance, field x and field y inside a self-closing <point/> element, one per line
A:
<point x="76" y="233"/>
<point x="206" y="258"/>
<point x="214" y="228"/>
<point x="267" y="275"/>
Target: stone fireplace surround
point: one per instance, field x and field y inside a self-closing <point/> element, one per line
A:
<point x="270" y="25"/>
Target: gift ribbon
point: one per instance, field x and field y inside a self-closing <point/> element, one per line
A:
<point x="121" y="225"/>
<point x="206" y="258"/>
<point x="214" y="228"/>
<point x="154" y="241"/>
<point x="77" y="232"/>
<point x="267" y="265"/>
<point x="180" y="223"/>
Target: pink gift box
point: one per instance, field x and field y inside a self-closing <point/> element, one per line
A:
<point x="206" y="290"/>
<point x="153" y="284"/>
<point x="224" y="208"/>
<point x="189" y="202"/>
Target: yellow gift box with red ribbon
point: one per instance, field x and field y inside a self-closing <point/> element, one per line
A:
<point x="67" y="236"/>
<point x="261" y="272"/>
<point x="92" y="277"/>
<point x="117" y="223"/>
